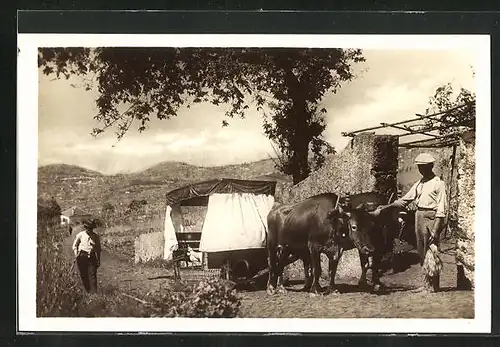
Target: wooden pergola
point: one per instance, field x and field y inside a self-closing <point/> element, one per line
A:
<point x="428" y="128"/>
<point x="419" y="125"/>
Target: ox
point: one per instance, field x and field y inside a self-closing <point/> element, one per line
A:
<point x="305" y="230"/>
<point x="381" y="227"/>
<point x="320" y="225"/>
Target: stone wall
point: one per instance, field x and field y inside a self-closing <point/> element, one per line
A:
<point x="369" y="163"/>
<point x="408" y="172"/>
<point x="149" y="247"/>
<point x="465" y="230"/>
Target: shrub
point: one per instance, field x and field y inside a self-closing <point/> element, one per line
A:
<point x="56" y="276"/>
<point x="107" y="211"/>
<point x="208" y="299"/>
<point x="48" y="212"/>
<point x="136" y="205"/>
<point x="59" y="292"/>
<point x="57" y="281"/>
<point x="212" y="298"/>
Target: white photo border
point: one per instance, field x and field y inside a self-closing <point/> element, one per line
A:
<point x="27" y="141"/>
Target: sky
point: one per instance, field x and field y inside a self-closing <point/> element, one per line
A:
<point x="391" y="85"/>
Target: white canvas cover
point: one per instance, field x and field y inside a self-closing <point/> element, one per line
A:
<point x="169" y="231"/>
<point x="235" y="221"/>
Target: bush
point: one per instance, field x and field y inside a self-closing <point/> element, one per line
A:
<point x="107" y="208"/>
<point x="48" y="212"/>
<point x="57" y="279"/>
<point x="208" y="299"/>
<point x="212" y="298"/>
<point x="136" y="205"/>
<point x="59" y="292"/>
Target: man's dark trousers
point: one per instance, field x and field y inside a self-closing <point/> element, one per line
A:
<point x="87" y="265"/>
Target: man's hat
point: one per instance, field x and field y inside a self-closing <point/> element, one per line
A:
<point x="424" y="158"/>
<point x="89" y="224"/>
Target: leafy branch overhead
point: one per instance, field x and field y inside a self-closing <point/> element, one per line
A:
<point x="136" y="84"/>
<point x="458" y="111"/>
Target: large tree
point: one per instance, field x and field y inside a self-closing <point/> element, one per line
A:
<point x="286" y="85"/>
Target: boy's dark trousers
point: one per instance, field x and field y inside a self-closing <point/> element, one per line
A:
<point x="87" y="265"/>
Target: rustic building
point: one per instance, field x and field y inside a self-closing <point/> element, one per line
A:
<point x="74" y="215"/>
<point x="408" y="172"/>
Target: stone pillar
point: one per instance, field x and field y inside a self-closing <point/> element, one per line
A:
<point x="465" y="229"/>
<point x="369" y="163"/>
<point x="385" y="165"/>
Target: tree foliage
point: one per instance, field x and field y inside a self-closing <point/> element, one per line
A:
<point x="135" y="84"/>
<point x="458" y="110"/>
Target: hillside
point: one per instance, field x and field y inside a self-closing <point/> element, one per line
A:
<point x="131" y="204"/>
<point x="177" y="170"/>
<point x="73" y="185"/>
<point x="65" y="171"/>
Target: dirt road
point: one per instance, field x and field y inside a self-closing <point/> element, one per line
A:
<point x="399" y="302"/>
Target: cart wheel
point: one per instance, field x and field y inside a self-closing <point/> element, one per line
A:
<point x="241" y="269"/>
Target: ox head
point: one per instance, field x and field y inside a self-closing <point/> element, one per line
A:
<point x="392" y="218"/>
<point x="353" y="225"/>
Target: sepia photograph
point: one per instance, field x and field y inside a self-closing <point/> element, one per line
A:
<point x="254" y="176"/>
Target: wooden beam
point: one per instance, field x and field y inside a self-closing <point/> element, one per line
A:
<point x="429" y="144"/>
<point x="413" y="132"/>
<point x="426" y="128"/>
<point x="427" y="140"/>
<point x="424" y="142"/>
<point x="442" y="112"/>
<point x="436" y="145"/>
<point x="419" y="118"/>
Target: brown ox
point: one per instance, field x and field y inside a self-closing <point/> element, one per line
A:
<point x="305" y="230"/>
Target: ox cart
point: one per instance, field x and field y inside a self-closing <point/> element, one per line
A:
<point x="232" y="234"/>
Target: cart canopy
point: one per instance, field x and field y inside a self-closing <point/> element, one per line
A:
<point x="218" y="186"/>
<point x="236" y="215"/>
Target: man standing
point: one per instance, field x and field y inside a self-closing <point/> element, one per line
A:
<point x="87" y="249"/>
<point x="429" y="195"/>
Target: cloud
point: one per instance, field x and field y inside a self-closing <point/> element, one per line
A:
<point x="225" y="146"/>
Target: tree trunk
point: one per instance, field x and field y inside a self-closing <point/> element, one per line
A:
<point x="297" y="119"/>
<point x="299" y="143"/>
<point x="300" y="163"/>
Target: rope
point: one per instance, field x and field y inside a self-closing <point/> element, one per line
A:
<point x="390" y="198"/>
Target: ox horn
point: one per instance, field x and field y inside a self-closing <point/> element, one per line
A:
<point x="337" y="203"/>
<point x="390" y="198"/>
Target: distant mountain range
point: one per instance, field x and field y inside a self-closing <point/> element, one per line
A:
<point x="73" y="185"/>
